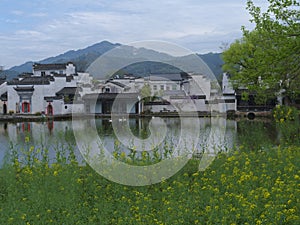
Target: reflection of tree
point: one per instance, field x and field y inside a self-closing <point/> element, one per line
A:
<point x="255" y="135"/>
<point x="289" y="132"/>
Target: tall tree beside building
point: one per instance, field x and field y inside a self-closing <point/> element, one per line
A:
<point x="266" y="60"/>
<point x="145" y="93"/>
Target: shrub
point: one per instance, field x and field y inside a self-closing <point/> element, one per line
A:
<point x="283" y="113"/>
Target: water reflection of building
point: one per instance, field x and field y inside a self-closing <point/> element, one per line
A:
<point x="217" y="132"/>
<point x="50" y="125"/>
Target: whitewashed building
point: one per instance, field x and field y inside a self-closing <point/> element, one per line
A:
<point x="41" y="70"/>
<point x="50" y="89"/>
<point x="173" y="93"/>
<point x="229" y="95"/>
<point x="3" y="96"/>
<point x="56" y="89"/>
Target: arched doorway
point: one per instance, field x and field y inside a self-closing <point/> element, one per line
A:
<point x="25" y="107"/>
<point x="4" y="108"/>
<point x="49" y="110"/>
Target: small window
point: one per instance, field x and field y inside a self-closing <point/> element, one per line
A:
<point x="66" y="107"/>
<point x="162" y="87"/>
<point x="61" y="72"/>
<point x="174" y="87"/>
<point x="155" y="87"/>
<point x="43" y="73"/>
<point x="168" y="88"/>
<point x="107" y="90"/>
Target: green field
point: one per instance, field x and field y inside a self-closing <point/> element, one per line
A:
<point x="244" y="187"/>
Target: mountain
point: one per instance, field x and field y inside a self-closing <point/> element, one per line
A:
<point x="144" y="62"/>
<point x="214" y="62"/>
<point x="8" y="74"/>
<point x="84" y="58"/>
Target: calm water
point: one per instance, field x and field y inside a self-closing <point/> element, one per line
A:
<point x="220" y="133"/>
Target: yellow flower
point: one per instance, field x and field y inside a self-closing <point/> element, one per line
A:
<point x="27" y="139"/>
<point x="266" y="194"/>
<point x="258" y="222"/>
<point x="31" y="149"/>
<point x="123" y="155"/>
<point x="208" y="208"/>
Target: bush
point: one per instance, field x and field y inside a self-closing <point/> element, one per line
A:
<point x="283" y="113"/>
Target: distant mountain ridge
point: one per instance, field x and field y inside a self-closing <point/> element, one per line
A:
<point x="83" y="58"/>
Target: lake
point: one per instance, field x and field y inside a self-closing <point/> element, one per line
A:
<point x="217" y="133"/>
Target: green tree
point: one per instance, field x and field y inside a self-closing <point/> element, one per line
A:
<point x="145" y="93"/>
<point x="266" y="59"/>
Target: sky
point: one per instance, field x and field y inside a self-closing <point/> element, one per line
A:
<point x="38" y="29"/>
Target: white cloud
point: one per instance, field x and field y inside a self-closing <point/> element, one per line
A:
<point x="39" y="14"/>
<point x="195" y="24"/>
<point x="17" y="12"/>
<point x="11" y="21"/>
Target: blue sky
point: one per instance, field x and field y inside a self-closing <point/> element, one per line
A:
<point x="37" y="29"/>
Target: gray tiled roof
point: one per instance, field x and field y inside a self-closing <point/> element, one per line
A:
<point x="55" y="66"/>
<point x="23" y="89"/>
<point x="164" y="77"/>
<point x="67" y="91"/>
<point x="51" y="98"/>
<point x="110" y="96"/>
<point x="31" y="81"/>
<point x="117" y="83"/>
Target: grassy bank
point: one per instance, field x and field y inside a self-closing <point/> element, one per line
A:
<point x="246" y="187"/>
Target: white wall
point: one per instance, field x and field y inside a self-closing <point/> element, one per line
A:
<point x="199" y="86"/>
<point x="3" y="88"/>
<point x="12" y="98"/>
<point x="226" y="85"/>
<point x="57" y="106"/>
<point x="70" y="69"/>
<point x="40" y="91"/>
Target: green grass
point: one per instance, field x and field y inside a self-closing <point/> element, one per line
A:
<point x="245" y="187"/>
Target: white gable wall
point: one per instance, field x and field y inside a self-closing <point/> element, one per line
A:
<point x="70" y="69"/>
<point x="12" y="98"/>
